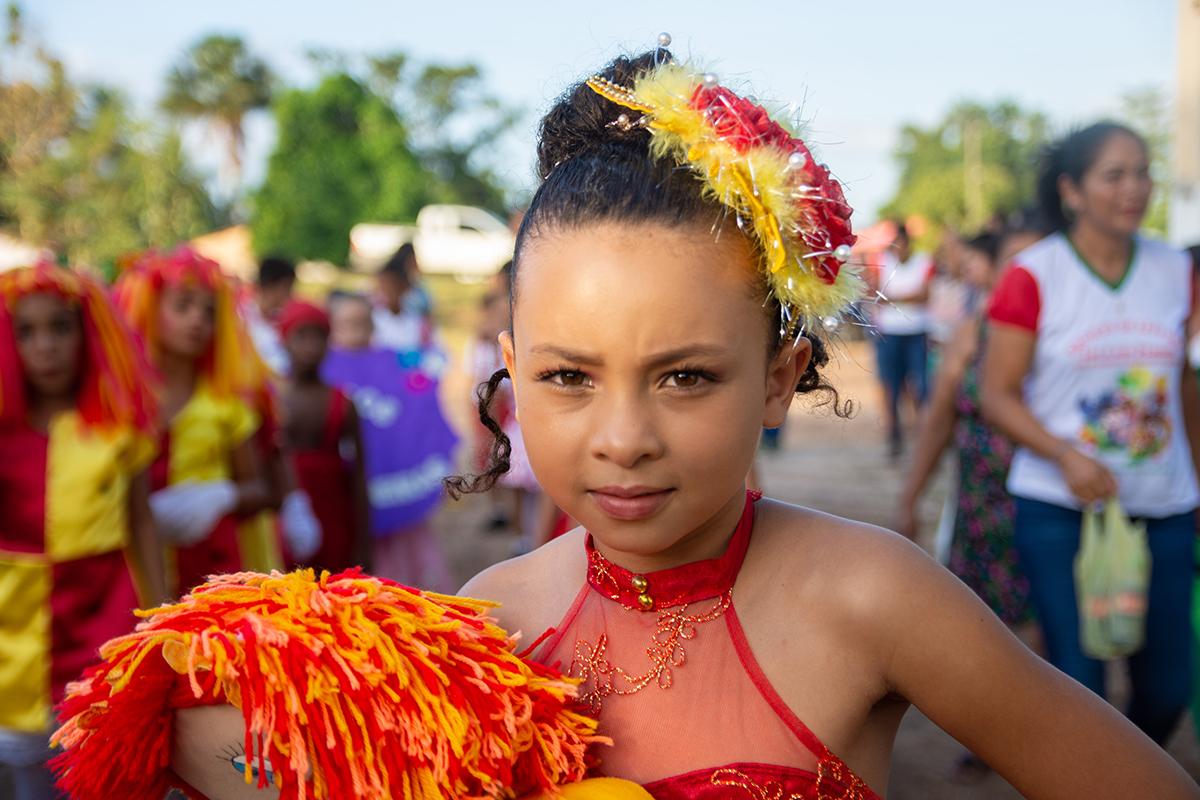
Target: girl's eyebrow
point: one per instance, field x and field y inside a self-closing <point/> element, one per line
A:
<point x="684" y="353"/>
<point x="655" y="360"/>
<point x="573" y="356"/>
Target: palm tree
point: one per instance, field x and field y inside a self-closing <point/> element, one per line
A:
<point x="220" y="81"/>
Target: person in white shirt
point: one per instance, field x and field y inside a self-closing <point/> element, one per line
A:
<point x="402" y="317"/>
<point x="276" y="280"/>
<point x="901" y="322"/>
<point x="1086" y="371"/>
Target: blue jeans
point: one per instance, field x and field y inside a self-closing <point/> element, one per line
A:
<point x="900" y="360"/>
<point x="1047" y="538"/>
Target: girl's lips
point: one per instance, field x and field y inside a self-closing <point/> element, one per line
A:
<point x="629" y="505"/>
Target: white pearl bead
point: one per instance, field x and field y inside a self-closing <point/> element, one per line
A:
<point x="842" y="253"/>
<point x="710" y="80"/>
<point x="664" y="39"/>
<point x="797" y="160"/>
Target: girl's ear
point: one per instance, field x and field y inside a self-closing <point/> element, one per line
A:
<point x="783" y="373"/>
<point x="510" y="361"/>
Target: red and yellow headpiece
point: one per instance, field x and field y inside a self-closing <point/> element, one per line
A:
<point x="356" y="688"/>
<point x="231" y="365"/>
<point x="117" y="383"/>
<point x="758" y="169"/>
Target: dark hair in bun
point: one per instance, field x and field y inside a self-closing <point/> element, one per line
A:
<point x="593" y="170"/>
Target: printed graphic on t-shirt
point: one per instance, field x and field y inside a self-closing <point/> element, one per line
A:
<point x="1131" y="419"/>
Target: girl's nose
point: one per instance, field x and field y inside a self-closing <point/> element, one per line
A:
<point x="626" y="433"/>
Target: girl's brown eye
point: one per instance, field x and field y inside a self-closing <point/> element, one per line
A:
<point x="687" y="379"/>
<point x="572" y="378"/>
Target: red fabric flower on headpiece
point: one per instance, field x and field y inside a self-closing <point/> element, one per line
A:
<point x="741" y="122"/>
<point x="744" y="124"/>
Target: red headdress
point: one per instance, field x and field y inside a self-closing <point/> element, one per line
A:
<point x="755" y="166"/>
<point x="299" y="312"/>
<point x="117" y="382"/>
<point x="231" y="365"/>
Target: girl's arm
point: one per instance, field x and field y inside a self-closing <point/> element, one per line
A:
<point x="1190" y="397"/>
<point x="1043" y="732"/>
<point x="937" y="428"/>
<point x="254" y="493"/>
<point x="1006" y="364"/>
<point x="1190" y="388"/>
<point x="147" y="551"/>
<point x="352" y="430"/>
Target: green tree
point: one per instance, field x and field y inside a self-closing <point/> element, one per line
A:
<point x="375" y="140"/>
<point x="444" y="97"/>
<point x="979" y="160"/>
<point x="219" y="81"/>
<point x="78" y="173"/>
<point x="342" y="157"/>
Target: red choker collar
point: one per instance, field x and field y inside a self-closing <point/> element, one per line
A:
<point x="676" y="586"/>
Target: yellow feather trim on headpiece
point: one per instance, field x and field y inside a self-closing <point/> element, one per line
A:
<point x="753" y="165"/>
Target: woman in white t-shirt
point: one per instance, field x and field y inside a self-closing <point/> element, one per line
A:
<point x="1085" y="371"/>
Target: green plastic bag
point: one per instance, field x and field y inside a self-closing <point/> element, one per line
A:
<point x="1112" y="577"/>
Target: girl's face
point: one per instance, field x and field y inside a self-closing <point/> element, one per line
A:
<point x="306" y="347"/>
<point x="641" y="365"/>
<point x="1113" y="194"/>
<point x="350" y="324"/>
<point x="186" y="320"/>
<point x="49" y="336"/>
<point x="977" y="268"/>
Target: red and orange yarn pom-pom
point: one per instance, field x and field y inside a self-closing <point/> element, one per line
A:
<point x="358" y="688"/>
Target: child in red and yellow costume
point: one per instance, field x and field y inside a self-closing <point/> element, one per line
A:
<point x="342" y="686"/>
<point x="208" y="474"/>
<point x="77" y="419"/>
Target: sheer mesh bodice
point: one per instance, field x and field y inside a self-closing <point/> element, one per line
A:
<point x="669" y="672"/>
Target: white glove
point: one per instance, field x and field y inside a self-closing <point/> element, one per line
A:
<point x="187" y="512"/>
<point x="301" y="530"/>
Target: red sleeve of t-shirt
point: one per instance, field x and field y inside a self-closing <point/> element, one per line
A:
<point x="1015" y="300"/>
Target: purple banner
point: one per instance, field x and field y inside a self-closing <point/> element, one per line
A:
<point x="409" y="445"/>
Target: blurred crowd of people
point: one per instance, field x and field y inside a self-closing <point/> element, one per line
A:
<point x="1050" y="352"/>
<point x="182" y="425"/>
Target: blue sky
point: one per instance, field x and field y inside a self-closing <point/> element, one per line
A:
<point x="860" y="68"/>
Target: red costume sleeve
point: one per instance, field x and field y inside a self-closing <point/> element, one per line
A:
<point x="1016" y="300"/>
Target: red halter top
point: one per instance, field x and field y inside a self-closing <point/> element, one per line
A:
<point x="668" y="671"/>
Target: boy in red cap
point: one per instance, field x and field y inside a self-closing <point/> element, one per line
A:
<point x="322" y="440"/>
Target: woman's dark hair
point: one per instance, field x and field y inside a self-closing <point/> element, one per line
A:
<point x="986" y="243"/>
<point x="595" y="166"/>
<point x="398" y="263"/>
<point x="1073" y="155"/>
<point x="274" y="270"/>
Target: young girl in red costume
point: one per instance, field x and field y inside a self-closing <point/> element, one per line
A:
<point x="669" y="282"/>
<point x="77" y="418"/>
<point x="322" y="441"/>
<point x="208" y="473"/>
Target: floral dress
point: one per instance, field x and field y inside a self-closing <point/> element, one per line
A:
<point x="982" y="552"/>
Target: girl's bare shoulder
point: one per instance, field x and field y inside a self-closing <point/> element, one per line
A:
<point x="536" y="589"/>
<point x="852" y="569"/>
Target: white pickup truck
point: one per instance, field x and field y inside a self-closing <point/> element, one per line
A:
<point x="462" y="241"/>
